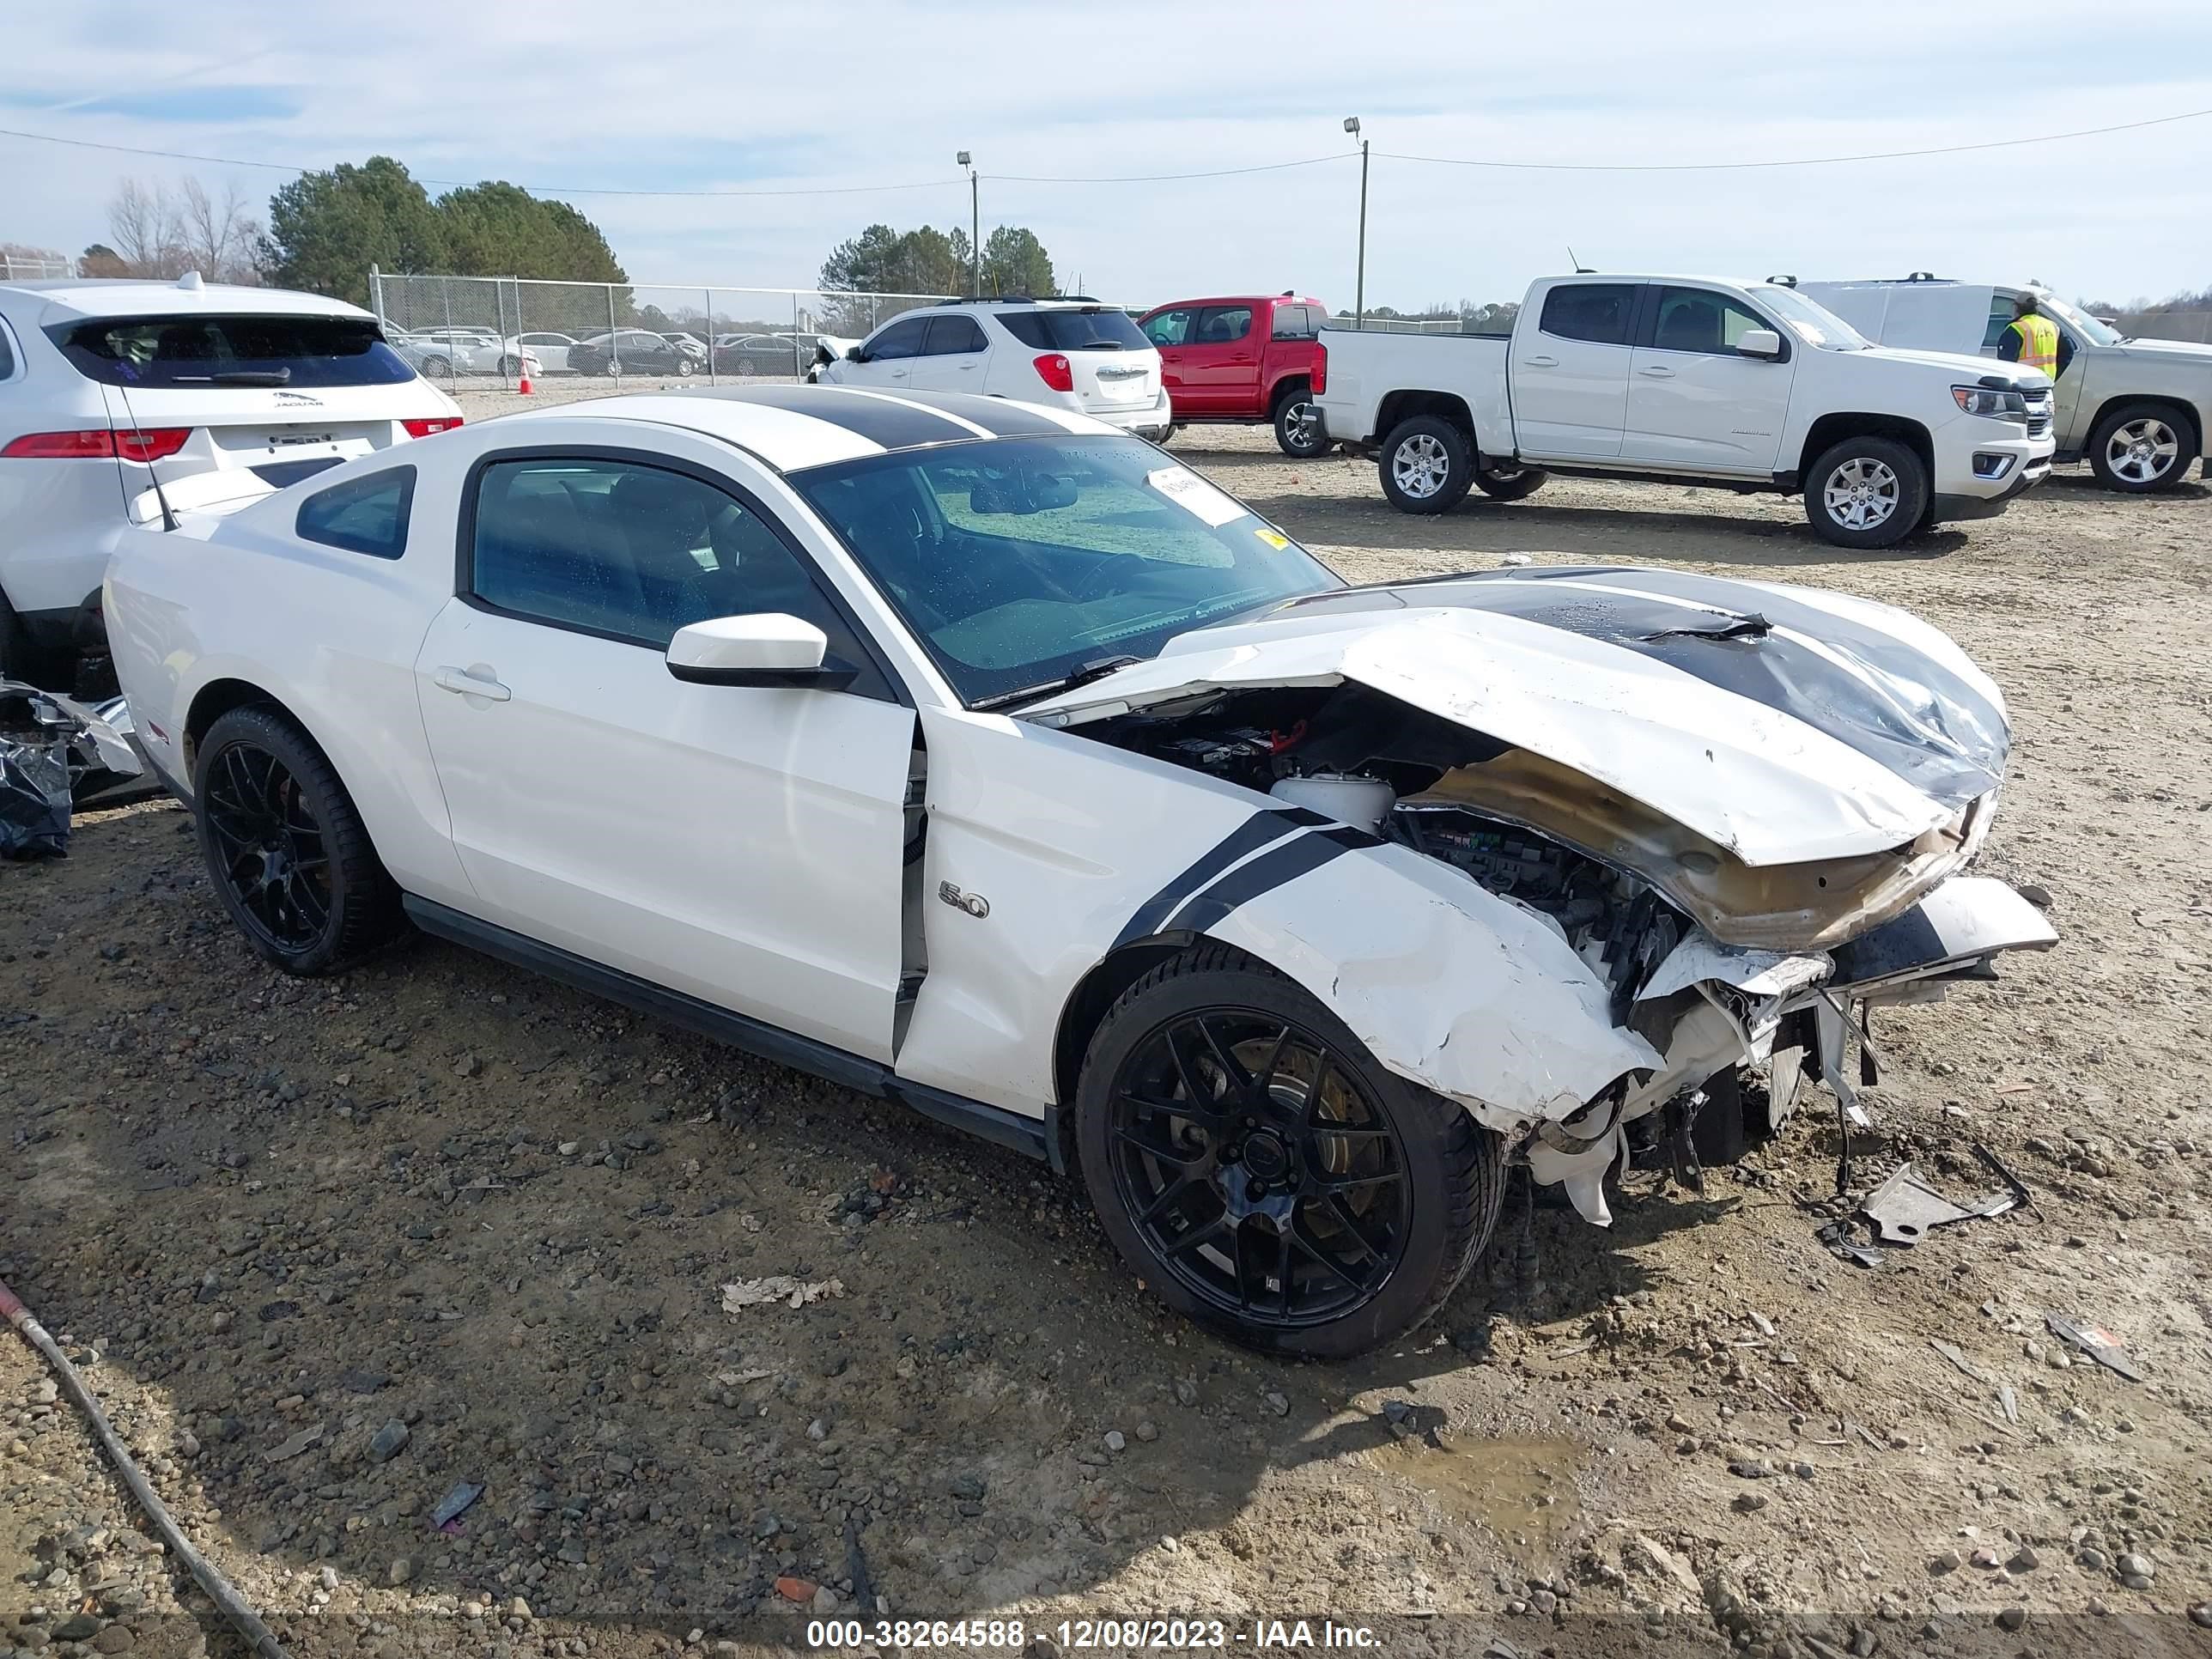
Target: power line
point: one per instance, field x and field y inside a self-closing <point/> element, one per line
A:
<point x="1165" y="177"/>
<point x="1801" y="161"/>
<point x="462" y="183"/>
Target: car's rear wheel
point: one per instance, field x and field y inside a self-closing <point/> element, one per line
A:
<point x="285" y="847"/>
<point x="1300" y="431"/>
<point x="1510" y="483"/>
<point x="2140" y="448"/>
<point x="438" y="369"/>
<point x="1427" y="464"/>
<point x="1264" y="1173"/>
<point x="510" y="366"/>
<point x="1865" y="493"/>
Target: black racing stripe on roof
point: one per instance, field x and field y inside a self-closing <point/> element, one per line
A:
<point x="1003" y="419"/>
<point x="893" y="423"/>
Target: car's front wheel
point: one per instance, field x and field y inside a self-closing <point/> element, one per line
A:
<point x="1265" y="1173"/>
<point x="1866" y="493"/>
<point x="2140" y="448"/>
<point x="286" y="849"/>
<point x="1427" y="465"/>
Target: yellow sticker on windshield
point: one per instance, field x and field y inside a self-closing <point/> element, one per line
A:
<point x="1274" y="539"/>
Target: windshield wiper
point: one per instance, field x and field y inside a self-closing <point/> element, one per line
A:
<point x="1097" y="669"/>
<point x="237" y="377"/>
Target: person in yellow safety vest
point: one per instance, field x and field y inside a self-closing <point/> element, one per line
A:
<point x="2033" y="341"/>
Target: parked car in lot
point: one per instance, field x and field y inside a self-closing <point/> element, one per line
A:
<point x="976" y="755"/>
<point x="1747" y="386"/>
<point x="630" y="351"/>
<point x="550" y="349"/>
<point x="440" y="353"/>
<point x="2138" y="410"/>
<point x="690" y="344"/>
<point x="108" y="387"/>
<point x="1245" y="362"/>
<point x="760" y="354"/>
<point x="1071" y="352"/>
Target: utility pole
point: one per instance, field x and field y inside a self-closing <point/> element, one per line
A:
<point x="974" y="228"/>
<point x="1359" y="287"/>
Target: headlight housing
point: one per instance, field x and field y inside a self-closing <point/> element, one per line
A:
<point x="1997" y="405"/>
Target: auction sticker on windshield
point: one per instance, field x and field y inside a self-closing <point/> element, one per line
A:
<point x="1194" y="496"/>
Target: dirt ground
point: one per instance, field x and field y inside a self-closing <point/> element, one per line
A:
<point x="274" y="1219"/>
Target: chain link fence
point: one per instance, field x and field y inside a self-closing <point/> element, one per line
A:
<point x="494" y="327"/>
<point x="2194" y="325"/>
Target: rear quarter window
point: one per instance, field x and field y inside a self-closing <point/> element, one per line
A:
<point x="230" y="352"/>
<point x="7" y="353"/>
<point x="1101" y="329"/>
<point x="361" y="515"/>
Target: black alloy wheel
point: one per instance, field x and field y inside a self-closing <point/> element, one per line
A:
<point x="271" y="845"/>
<point x="1256" y="1169"/>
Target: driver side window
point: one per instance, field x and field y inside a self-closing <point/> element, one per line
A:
<point x="901" y="339"/>
<point x="633" y="552"/>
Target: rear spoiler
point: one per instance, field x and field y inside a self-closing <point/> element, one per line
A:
<point x="210" y="493"/>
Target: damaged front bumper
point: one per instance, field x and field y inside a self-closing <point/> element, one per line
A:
<point x="1709" y="1008"/>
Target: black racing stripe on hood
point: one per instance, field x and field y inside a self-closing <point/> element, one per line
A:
<point x="1875" y="693"/>
<point x="887" y="421"/>
<point x="1248" y="837"/>
<point x="1003" y="419"/>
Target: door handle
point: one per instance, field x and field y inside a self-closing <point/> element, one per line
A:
<point x="465" y="684"/>
<point x="1539" y="362"/>
<point x="1657" y="371"/>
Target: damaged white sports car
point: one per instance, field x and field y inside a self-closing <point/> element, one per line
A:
<point x="980" y="756"/>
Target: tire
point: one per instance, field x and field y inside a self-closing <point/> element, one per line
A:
<point x="2141" y="448"/>
<point x="613" y="370"/>
<point x="1300" y="431"/>
<point x="510" y="367"/>
<point x="1421" y="1182"/>
<point x="1865" y="493"/>
<point x="1426" y="465"/>
<point x="1167" y="433"/>
<point x="16" y="658"/>
<point x="1511" y="483"/>
<point x="438" y="369"/>
<point x="267" y="798"/>
<point x="685" y="366"/>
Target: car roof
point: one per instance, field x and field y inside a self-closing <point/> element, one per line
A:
<point x="1235" y="300"/>
<point x="102" y="296"/>
<point x="791" y="428"/>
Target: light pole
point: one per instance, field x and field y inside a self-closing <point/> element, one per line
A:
<point x="974" y="229"/>
<point x="1360" y="289"/>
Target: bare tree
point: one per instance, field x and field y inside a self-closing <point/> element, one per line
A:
<point x="218" y="236"/>
<point x="142" y="228"/>
<point x="155" y="232"/>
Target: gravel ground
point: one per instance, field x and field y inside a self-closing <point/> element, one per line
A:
<point x="329" y="1249"/>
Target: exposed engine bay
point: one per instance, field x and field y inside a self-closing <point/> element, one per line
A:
<point x="1635" y="896"/>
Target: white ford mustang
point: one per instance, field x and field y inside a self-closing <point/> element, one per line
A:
<point x="980" y="756"/>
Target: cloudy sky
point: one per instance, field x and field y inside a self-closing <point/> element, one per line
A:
<point x="823" y="97"/>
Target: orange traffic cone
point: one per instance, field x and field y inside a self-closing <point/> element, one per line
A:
<point x="522" y="379"/>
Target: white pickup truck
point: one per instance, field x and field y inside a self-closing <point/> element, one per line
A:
<point x="1690" y="380"/>
<point x="2138" y="410"/>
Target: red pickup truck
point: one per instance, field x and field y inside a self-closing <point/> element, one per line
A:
<point x="1243" y="360"/>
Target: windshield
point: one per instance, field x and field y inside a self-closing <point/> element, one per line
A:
<point x="1020" y="561"/>
<point x="1810" y="320"/>
<point x="231" y="351"/>
<point x="2079" y="320"/>
<point x="1065" y="329"/>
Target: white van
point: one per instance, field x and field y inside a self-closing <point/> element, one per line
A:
<point x="2138" y="411"/>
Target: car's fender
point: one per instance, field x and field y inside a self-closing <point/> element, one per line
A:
<point x="189" y="615"/>
<point x="1048" y="854"/>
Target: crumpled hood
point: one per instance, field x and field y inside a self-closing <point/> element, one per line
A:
<point x="1784" y="724"/>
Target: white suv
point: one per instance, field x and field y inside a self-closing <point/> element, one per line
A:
<point x="1075" y="353"/>
<point x="108" y="387"/>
